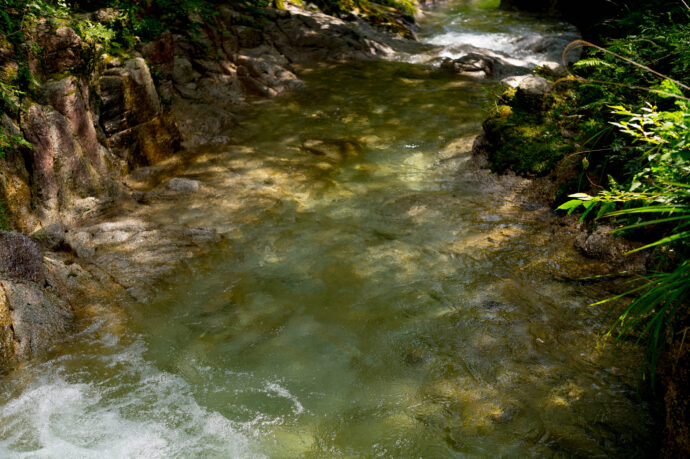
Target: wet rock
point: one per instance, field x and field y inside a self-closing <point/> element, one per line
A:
<point x="183" y="185"/>
<point x="37" y="319"/>
<point x="601" y="244"/>
<point x="21" y="257"/>
<point x="484" y="63"/>
<point x="551" y="46"/>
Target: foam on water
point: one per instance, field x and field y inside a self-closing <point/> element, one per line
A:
<point x="149" y="413"/>
<point x="494" y="41"/>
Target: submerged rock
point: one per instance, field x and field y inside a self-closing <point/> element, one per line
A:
<point x="183" y="185"/>
<point x="333" y="149"/>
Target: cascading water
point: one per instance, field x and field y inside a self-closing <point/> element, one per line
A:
<point x="374" y="297"/>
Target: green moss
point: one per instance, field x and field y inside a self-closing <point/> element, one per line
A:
<point x="524" y="143"/>
<point x="5" y="222"/>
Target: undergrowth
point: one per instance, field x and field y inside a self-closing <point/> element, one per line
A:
<point x="632" y="113"/>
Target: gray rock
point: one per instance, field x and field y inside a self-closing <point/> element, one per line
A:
<point x="601" y="244"/>
<point x="21" y="257"/>
<point x="81" y="244"/>
<point x="37" y="320"/>
<point x="62" y="170"/>
<point x="183" y="185"/>
<point x="484" y="63"/>
<point x="551" y="46"/>
<point x="513" y="81"/>
<point x="52" y="236"/>
<point x="531" y="91"/>
<point x="183" y="72"/>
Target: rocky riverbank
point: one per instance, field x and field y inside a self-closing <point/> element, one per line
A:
<point x="109" y="133"/>
<point x="102" y="127"/>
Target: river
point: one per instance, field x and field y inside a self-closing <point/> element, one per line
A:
<point x="375" y="296"/>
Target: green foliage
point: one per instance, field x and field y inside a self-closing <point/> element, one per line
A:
<point x="95" y="33"/>
<point x="5" y="224"/>
<point x="658" y="198"/>
<point x="10" y="142"/>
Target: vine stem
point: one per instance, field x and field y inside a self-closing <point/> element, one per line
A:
<point x="584" y="43"/>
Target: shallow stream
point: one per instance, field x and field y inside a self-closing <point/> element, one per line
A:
<point x="376" y="296"/>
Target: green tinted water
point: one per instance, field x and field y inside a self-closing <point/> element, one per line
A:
<point x="376" y="296"/>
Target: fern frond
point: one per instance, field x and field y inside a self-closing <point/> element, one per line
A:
<point x="591" y="63"/>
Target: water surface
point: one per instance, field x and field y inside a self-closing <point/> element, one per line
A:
<point x="375" y="297"/>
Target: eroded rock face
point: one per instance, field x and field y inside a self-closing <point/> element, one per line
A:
<point x="61" y="48"/>
<point x="137" y="129"/>
<point x="21" y="258"/>
<point x="62" y="171"/>
<point x="37" y="319"/>
<point x="66" y="97"/>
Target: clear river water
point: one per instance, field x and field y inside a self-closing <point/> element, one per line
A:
<point x="375" y="296"/>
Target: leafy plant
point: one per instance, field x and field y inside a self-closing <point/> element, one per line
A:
<point x="10" y="141"/>
<point x="657" y="197"/>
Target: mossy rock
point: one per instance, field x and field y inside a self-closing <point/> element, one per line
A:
<point x="526" y="145"/>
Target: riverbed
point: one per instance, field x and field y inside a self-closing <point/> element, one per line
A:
<point x="375" y="294"/>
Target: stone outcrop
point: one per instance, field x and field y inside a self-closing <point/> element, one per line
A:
<point x="208" y="78"/>
<point x="32" y="315"/>
<point x="138" y="131"/>
<point x="21" y="258"/>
